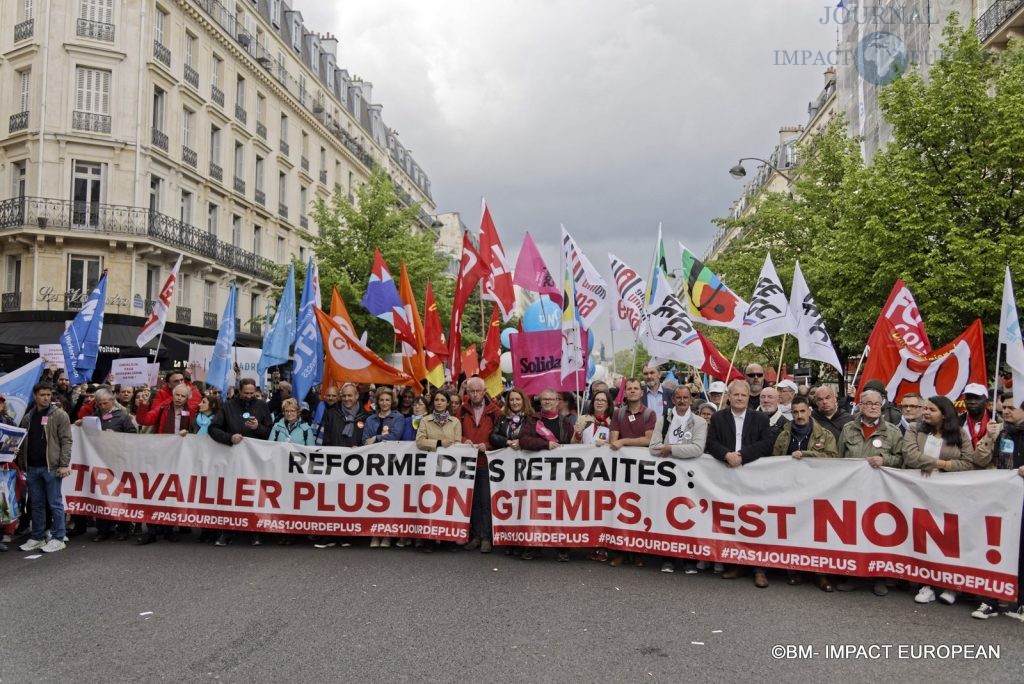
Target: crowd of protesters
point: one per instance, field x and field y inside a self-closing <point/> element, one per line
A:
<point x="736" y="424"/>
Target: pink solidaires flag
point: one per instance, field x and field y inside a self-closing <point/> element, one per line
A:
<point x="532" y="273"/>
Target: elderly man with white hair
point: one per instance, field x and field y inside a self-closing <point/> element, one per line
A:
<point x="787" y="390"/>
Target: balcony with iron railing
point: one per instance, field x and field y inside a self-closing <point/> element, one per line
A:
<point x="209" y="320"/>
<point x="191" y="76"/>
<point x="189" y="156"/>
<point x="18" y="122"/>
<point x="1000" y="13"/>
<point x="261" y="197"/>
<point x="256" y="327"/>
<point x="11" y="301"/>
<point x="304" y="163"/>
<point x="282" y="210"/>
<point x="323" y="176"/>
<point x="183" y="314"/>
<point x="216" y="172"/>
<point x="285" y="148"/>
<point x="261" y="130"/>
<point x="159" y="139"/>
<point x="217" y="95"/>
<point x="88" y="121"/>
<point x="304" y="221"/>
<point x="24" y="30"/>
<point x="239" y="185"/>
<point x="107" y="219"/>
<point x="241" y="114"/>
<point x="149" y="305"/>
<point x="95" y="30"/>
<point x="162" y="53"/>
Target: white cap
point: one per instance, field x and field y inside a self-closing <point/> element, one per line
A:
<point x="786" y="384"/>
<point x="717" y="387"/>
<point x="976" y="388"/>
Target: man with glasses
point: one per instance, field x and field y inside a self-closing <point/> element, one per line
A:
<point x="755" y="380"/>
<point x="165" y="396"/>
<point x="787" y="390"/>
<point x="911" y="407"/>
<point x="890" y="413"/>
<point x="879" y="443"/>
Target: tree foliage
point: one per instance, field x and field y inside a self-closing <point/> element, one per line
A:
<point x="941" y="206"/>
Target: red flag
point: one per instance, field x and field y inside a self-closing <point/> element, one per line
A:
<point x="470" y="272"/>
<point x="946" y="371"/>
<point x="497" y="276"/>
<point x="491" y="360"/>
<point x="716" y="365"/>
<point x="413" y="361"/>
<point x="348" y="359"/>
<point x="470" y="362"/>
<point x="902" y="313"/>
<point x="434" y="346"/>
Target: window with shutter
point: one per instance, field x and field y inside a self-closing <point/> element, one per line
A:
<point x="158" y="26"/>
<point x="25" y="78"/>
<point x="92" y="90"/>
<point x="96" y="10"/>
<point x="27" y="9"/>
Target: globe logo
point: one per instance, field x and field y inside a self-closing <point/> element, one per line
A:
<point x="880" y="58"/>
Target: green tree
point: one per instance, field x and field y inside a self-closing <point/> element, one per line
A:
<point x="350" y="231"/>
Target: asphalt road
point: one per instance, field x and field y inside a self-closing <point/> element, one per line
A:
<point x="244" y="614"/>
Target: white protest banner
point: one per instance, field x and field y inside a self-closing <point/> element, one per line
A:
<point x="200" y="355"/>
<point x="10" y="439"/>
<point x="824" y="515"/>
<point x="390" y="489"/>
<point x="52" y="355"/>
<point x="130" y="372"/>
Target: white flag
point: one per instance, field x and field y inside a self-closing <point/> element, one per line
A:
<point x="630" y="295"/>
<point x="1009" y="334"/>
<point x="591" y="289"/>
<point x="158" y="316"/>
<point x="815" y="343"/>
<point x="573" y="356"/>
<point x="768" y="313"/>
<point x="666" y="330"/>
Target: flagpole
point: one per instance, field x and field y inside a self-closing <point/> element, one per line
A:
<point x="728" y="374"/>
<point x="859" y="363"/>
<point x="995" y="385"/>
<point x="611" y="335"/>
<point x="782" y="355"/>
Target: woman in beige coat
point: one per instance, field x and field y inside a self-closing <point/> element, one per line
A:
<point x="439" y="428"/>
<point x="937" y="442"/>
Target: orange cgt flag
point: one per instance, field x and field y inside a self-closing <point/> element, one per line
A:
<point x="349" y="361"/>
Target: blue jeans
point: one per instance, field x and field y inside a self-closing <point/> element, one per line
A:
<point x="43" y="491"/>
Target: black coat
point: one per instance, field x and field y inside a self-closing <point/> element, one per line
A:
<point x="332" y="428"/>
<point x="229" y="420"/>
<point x="755" y="442"/>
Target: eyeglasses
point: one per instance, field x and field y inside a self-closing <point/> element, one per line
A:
<point x="905" y="407"/>
<point x="872" y="404"/>
<point x="755" y="375"/>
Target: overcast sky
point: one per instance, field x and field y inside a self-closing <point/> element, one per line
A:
<point x="605" y="115"/>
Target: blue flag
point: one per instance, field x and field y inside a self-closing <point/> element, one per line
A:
<point x="308" y="366"/>
<point x="220" y="364"/>
<point x="17" y="387"/>
<point x="279" y="337"/>
<point x="81" y="341"/>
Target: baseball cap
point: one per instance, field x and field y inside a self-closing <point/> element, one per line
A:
<point x="977" y="389"/>
<point x="786" y="384"/>
<point x="717" y="387"/>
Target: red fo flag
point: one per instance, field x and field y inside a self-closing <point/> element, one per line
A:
<point x="470" y="272"/>
<point x="491" y="360"/>
<point x="497" y="276"/>
<point x="716" y="365"/>
<point x="945" y="372"/>
<point x="902" y="313"/>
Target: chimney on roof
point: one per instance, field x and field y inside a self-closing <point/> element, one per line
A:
<point x="329" y="44"/>
<point x="830" y="76"/>
<point x="786" y="133"/>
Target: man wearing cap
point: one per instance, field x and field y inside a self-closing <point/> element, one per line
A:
<point x="716" y="391"/>
<point x="890" y="413"/>
<point x="976" y="418"/>
<point x="787" y="390"/>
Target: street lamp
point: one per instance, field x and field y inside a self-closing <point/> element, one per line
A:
<point x="739" y="172"/>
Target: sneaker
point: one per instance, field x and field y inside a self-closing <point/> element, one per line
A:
<point x="985" y="611"/>
<point x="385" y="543"/>
<point x="703" y="565"/>
<point x="689" y="568"/>
<point x="53" y="545"/>
<point x="563" y="556"/>
<point x="6" y="539"/>
<point x="3" y="547"/>
<point x="880" y="588"/>
<point x="719" y="568"/>
<point x="1016" y="613"/>
<point x="375" y="543"/>
<point x="222" y="540"/>
<point x="486" y="546"/>
<point x="325" y="544"/>
<point x="925" y="595"/>
<point x="472" y="545"/>
<point x="668" y="566"/>
<point x="401" y="543"/>
<point x="948" y="597"/>
<point x="33" y="544"/>
<point x="256" y="541"/>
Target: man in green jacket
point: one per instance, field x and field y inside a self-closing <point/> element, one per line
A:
<point x="803" y="436"/>
<point x="870" y="436"/>
<point x="45" y="456"/>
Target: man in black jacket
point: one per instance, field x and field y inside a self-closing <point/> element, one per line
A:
<point x="343" y="423"/>
<point x="828" y="413"/>
<point x="242" y="416"/>
<point x="738" y="435"/>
